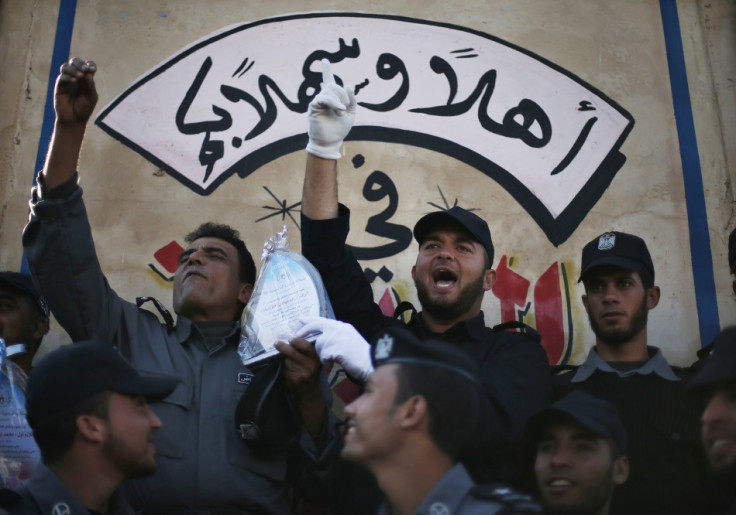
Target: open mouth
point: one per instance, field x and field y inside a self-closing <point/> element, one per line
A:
<point x="444" y="278"/>
<point x="559" y="484"/>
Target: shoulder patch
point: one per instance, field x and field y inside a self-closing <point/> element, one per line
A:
<point x="512" y="501"/>
<point x="560" y="370"/>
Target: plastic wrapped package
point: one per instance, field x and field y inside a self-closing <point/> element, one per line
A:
<point x="18" y="450"/>
<point x="288" y="287"/>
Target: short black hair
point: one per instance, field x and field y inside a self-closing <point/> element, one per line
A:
<point x="453" y="403"/>
<point x="247" y="267"/>
<point x="55" y="434"/>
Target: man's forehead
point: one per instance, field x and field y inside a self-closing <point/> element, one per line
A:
<point x="7" y="290"/>
<point x="210" y="241"/>
<point x="449" y="229"/>
<point x="603" y="271"/>
<point x="563" y="425"/>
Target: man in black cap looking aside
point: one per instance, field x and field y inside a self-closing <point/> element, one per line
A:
<point x="452" y="272"/>
<point x="660" y="417"/>
<point x="579" y="446"/>
<point x="419" y="406"/>
<point x="24" y="317"/>
<point x="89" y="414"/>
<point x="716" y="382"/>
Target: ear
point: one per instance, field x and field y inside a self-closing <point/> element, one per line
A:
<point x="489" y="279"/>
<point x="413" y="412"/>
<point x="620" y="470"/>
<point x="585" y="302"/>
<point x="414" y="275"/>
<point x="91" y="428"/>
<point x="40" y="328"/>
<point x="653" y="294"/>
<point x="244" y="293"/>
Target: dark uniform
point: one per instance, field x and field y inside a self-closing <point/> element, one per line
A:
<point x="662" y="421"/>
<point x="456" y="494"/>
<point x="45" y="494"/>
<point x="514" y="367"/>
<point x="203" y="462"/>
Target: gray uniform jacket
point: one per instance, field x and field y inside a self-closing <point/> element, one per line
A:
<point x="203" y="463"/>
<point x="456" y="494"/>
<point x="44" y="493"/>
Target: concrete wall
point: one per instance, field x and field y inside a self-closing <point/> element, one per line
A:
<point x="138" y="207"/>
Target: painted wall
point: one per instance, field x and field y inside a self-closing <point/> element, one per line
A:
<point x="659" y="161"/>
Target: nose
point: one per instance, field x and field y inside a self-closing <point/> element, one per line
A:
<point x="155" y="421"/>
<point x="350" y="409"/>
<point x="196" y="257"/>
<point x="609" y="294"/>
<point x="559" y="457"/>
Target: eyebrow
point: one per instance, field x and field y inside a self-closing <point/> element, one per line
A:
<point x="207" y="248"/>
<point x="592" y="437"/>
<point x="460" y="237"/>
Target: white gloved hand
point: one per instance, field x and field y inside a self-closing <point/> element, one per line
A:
<point x="340" y="342"/>
<point x="331" y="116"/>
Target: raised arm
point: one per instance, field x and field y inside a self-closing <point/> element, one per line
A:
<point x="75" y="97"/>
<point x="331" y="116"/>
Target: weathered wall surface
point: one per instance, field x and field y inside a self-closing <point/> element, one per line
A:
<point x="618" y="49"/>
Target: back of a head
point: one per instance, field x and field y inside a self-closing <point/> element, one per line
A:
<point x="445" y="376"/>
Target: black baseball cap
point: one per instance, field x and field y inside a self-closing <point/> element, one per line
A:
<point x="471" y="222"/>
<point x="399" y="345"/>
<point x="720" y="366"/>
<point x="618" y="249"/>
<point x="77" y="371"/>
<point x="24" y="284"/>
<point x="597" y="415"/>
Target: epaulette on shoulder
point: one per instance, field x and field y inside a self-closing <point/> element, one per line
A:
<point x="563" y="369"/>
<point x="512" y="501"/>
<point x="524" y="329"/>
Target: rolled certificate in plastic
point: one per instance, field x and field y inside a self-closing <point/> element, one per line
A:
<point x="288" y="287"/>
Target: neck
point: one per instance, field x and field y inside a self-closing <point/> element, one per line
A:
<point x="439" y="326"/>
<point x="408" y="477"/>
<point x="90" y="481"/>
<point x="633" y="350"/>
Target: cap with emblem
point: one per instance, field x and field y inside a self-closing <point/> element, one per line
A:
<point x="398" y="345"/>
<point x="597" y="415"/>
<point x="23" y="284"/>
<point x="617" y="249"/>
<point x="77" y="371"/>
<point x="720" y="367"/>
<point x="475" y="225"/>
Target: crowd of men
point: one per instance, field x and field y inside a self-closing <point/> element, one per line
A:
<point x="145" y="413"/>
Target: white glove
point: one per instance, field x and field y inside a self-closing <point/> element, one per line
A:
<point x="341" y="342"/>
<point x="331" y="116"/>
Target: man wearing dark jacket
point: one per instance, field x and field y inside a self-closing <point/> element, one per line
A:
<point x="716" y="383"/>
<point x="89" y="412"/>
<point x="453" y="270"/>
<point x="661" y="418"/>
